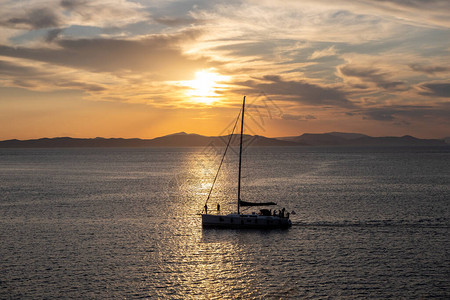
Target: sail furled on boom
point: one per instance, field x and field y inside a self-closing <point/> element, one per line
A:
<point x="245" y="203"/>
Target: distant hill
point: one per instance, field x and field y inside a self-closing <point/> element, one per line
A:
<point x="348" y="136"/>
<point x="182" y="139"/>
<point x="330" y="138"/>
<point x="357" y="139"/>
<point x="314" y="139"/>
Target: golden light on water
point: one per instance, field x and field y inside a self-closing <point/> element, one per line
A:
<point x="204" y="88"/>
<point x="195" y="178"/>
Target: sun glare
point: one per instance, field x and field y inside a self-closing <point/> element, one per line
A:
<point x="204" y="87"/>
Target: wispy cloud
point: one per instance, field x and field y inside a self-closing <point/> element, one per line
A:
<point x="32" y="15"/>
<point x="370" y="75"/>
<point x="160" y="54"/>
<point x="34" y="19"/>
<point x="299" y="91"/>
<point x="436" y="89"/>
<point x="292" y="117"/>
<point x="429" y="69"/>
<point x="42" y="77"/>
<point x="330" y="51"/>
<point x="408" y="114"/>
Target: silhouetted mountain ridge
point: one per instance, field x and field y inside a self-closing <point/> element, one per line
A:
<point x="357" y="139"/>
<point x="183" y="139"/>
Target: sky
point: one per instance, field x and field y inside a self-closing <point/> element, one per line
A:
<point x="142" y="69"/>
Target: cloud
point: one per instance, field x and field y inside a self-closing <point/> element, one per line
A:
<point x="372" y="75"/>
<point x="330" y="51"/>
<point x="33" y="15"/>
<point x="300" y="91"/>
<point x="315" y="21"/>
<point x="380" y="114"/>
<point x="159" y="54"/>
<point x="103" y="13"/>
<point x="34" y="19"/>
<point x="435" y="89"/>
<point x="73" y="4"/>
<point x="439" y="111"/>
<point x="293" y="117"/>
<point x="430" y="12"/>
<point x="10" y="69"/>
<point x="89" y="87"/>
<point x="430" y="69"/>
<point x="53" y="34"/>
<point x="37" y="78"/>
<point x="175" y="22"/>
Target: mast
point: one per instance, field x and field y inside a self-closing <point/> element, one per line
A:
<point x="240" y="156"/>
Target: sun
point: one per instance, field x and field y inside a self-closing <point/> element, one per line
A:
<point x="203" y="89"/>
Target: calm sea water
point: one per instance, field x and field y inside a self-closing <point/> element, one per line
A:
<point x="124" y="223"/>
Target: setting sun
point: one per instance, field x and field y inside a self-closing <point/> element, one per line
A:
<point x="205" y="85"/>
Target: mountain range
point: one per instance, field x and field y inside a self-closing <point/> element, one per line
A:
<point x="183" y="139"/>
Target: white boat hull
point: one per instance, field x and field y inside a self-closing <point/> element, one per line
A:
<point x="245" y="221"/>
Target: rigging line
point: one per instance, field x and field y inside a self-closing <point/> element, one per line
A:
<point x="223" y="157"/>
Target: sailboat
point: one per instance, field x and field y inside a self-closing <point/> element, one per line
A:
<point x="264" y="219"/>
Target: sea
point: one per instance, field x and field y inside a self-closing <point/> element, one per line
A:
<point x="124" y="223"/>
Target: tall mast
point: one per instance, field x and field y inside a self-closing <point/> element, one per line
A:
<point x="240" y="155"/>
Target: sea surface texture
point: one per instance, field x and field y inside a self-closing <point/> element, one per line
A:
<point x="125" y="223"/>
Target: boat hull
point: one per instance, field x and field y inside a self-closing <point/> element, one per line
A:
<point x="245" y="221"/>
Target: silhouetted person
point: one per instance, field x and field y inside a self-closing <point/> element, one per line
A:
<point x="206" y="209"/>
<point x="218" y="208"/>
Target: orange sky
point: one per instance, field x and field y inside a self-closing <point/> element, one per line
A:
<point x="149" y="68"/>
